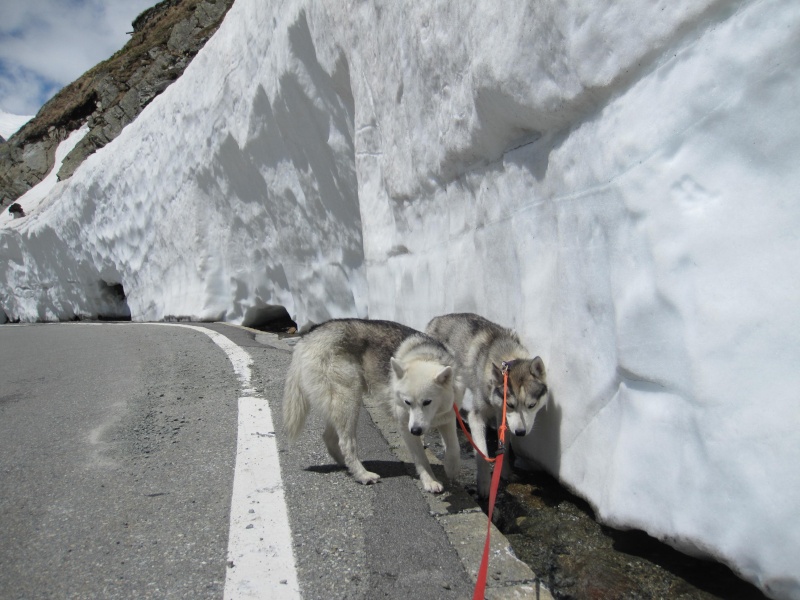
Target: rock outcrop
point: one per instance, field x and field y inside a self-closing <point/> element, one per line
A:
<point x="164" y="40"/>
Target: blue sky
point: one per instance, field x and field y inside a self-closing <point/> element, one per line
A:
<point x="46" y="44"/>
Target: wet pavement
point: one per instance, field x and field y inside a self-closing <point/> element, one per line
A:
<point x="556" y="534"/>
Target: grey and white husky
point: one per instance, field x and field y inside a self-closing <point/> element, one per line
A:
<point x="481" y="347"/>
<point x="340" y="361"/>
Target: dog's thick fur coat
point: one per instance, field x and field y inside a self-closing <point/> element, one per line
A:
<point x="340" y="361"/>
<point x="481" y="347"/>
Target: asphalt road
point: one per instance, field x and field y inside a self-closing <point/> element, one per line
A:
<point x="117" y="454"/>
<point x="116" y="461"/>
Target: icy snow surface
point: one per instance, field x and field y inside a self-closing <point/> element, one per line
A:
<point x="10" y="124"/>
<point x="617" y="180"/>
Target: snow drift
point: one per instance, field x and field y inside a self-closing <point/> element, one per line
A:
<point x="10" y="123"/>
<point x="616" y="180"/>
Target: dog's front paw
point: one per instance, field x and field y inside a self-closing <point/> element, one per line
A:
<point x="432" y="486"/>
<point x="368" y="478"/>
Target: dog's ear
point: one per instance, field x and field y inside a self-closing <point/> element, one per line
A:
<point x="445" y="376"/>
<point x="497" y="375"/>
<point x="399" y="369"/>
<point x="537" y="368"/>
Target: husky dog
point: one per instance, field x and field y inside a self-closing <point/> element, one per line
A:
<point x="340" y="361"/>
<point x="481" y="347"/>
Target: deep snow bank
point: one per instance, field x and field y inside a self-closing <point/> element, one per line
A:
<point x="614" y="179"/>
<point x="232" y="194"/>
<point x="10" y="123"/>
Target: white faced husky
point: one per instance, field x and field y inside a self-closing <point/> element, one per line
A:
<point x="339" y="361"/>
<point x="481" y="347"/>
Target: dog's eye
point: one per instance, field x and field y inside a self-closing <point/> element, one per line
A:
<point x="408" y="402"/>
<point x="532" y="405"/>
<point x="426" y="402"/>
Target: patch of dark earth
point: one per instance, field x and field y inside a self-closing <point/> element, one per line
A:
<point x="276" y="321"/>
<point x="576" y="558"/>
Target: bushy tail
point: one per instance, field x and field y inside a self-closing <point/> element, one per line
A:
<point x="295" y="401"/>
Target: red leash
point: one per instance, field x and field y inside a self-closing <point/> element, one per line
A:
<point x="480" y="583"/>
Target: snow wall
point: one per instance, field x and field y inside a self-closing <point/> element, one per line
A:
<point x="617" y="180"/>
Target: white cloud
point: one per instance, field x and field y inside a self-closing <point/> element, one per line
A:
<point x="46" y="44"/>
<point x="21" y="91"/>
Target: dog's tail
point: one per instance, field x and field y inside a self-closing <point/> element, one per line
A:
<point x="295" y="401"/>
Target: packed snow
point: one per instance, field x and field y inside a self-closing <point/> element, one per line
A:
<point x="10" y="123"/>
<point x="615" y="180"/>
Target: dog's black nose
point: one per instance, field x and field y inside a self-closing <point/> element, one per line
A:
<point x="416" y="430"/>
<point x="520" y="432"/>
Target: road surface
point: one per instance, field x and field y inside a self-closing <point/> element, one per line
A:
<point x="118" y="459"/>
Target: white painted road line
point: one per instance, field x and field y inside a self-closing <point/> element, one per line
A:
<point x="260" y="557"/>
<point x="261" y="562"/>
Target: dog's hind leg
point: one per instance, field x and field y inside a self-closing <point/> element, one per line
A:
<point x="347" y="443"/>
<point x="347" y="389"/>
<point x="332" y="443"/>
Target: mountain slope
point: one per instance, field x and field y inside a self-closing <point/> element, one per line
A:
<point x="109" y="96"/>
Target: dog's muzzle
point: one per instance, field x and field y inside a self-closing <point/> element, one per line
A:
<point x="416" y="430"/>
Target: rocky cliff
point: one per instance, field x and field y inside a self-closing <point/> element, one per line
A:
<point x="164" y="40"/>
